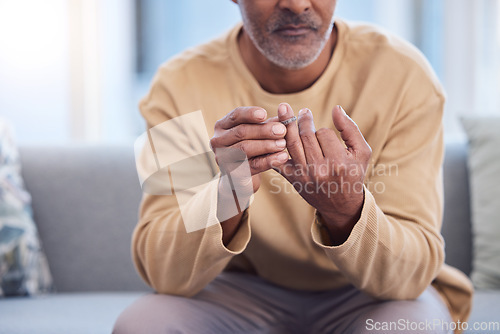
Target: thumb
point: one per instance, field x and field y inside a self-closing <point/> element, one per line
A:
<point x="349" y="130"/>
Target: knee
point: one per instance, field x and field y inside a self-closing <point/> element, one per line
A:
<point x="426" y="314"/>
<point x="152" y="314"/>
<point x="133" y="317"/>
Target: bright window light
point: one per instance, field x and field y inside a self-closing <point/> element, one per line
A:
<point x="30" y="32"/>
<point x="498" y="24"/>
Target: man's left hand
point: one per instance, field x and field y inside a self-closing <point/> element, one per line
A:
<point x="327" y="173"/>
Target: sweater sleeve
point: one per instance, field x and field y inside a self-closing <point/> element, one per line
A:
<point x="167" y="257"/>
<point x="395" y="250"/>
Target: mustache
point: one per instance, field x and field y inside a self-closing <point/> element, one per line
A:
<point x="283" y="19"/>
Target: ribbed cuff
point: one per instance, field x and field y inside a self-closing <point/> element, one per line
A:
<point x="368" y="217"/>
<point x="242" y="236"/>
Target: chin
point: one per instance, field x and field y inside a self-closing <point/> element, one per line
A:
<point x="298" y="60"/>
<point x="292" y="64"/>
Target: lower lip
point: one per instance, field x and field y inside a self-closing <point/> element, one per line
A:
<point x="294" y="32"/>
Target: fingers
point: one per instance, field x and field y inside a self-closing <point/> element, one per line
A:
<point x="263" y="163"/>
<point x="254" y="148"/>
<point x="331" y="146"/>
<point x="287" y="170"/>
<point x="242" y="115"/>
<point x="292" y="137"/>
<point x="349" y="131"/>
<point x="241" y="132"/>
<point x="307" y="132"/>
<point x="272" y="119"/>
<point x="246" y="134"/>
<point x="261" y="154"/>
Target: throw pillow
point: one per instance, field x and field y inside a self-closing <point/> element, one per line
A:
<point x="23" y="266"/>
<point x="484" y="174"/>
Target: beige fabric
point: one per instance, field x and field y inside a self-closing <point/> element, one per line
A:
<point x="395" y="250"/>
<point x="484" y="166"/>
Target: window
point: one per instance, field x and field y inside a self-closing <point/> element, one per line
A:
<point x="95" y="58"/>
<point x="166" y="28"/>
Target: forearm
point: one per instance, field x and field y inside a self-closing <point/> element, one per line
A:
<point x="173" y="261"/>
<point x="385" y="257"/>
<point x="338" y="225"/>
<point x="395" y="249"/>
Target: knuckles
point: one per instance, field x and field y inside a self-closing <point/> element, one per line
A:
<point x="308" y="139"/>
<point x="306" y="132"/>
<point x="294" y="143"/>
<point x="255" y="164"/>
<point x="239" y="132"/>
<point x="233" y="115"/>
<point x="218" y="124"/>
<point x="214" y="142"/>
<point x="366" y="154"/>
<point x="243" y="146"/>
<point x="323" y="132"/>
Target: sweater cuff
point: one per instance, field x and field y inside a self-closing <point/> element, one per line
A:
<point x="241" y="238"/>
<point x="242" y="235"/>
<point x="366" y="219"/>
<point x="205" y="200"/>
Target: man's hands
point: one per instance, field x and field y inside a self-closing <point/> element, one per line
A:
<point x="327" y="174"/>
<point x="242" y="134"/>
<point x="261" y="141"/>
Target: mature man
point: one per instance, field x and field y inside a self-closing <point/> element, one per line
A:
<point x="343" y="232"/>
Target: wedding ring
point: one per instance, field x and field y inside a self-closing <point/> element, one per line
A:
<point x="288" y="121"/>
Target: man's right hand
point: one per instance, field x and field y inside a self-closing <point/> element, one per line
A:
<point x="261" y="141"/>
<point x="242" y="134"/>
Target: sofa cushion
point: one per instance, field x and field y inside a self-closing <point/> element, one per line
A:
<point x="484" y="168"/>
<point x="85" y="205"/>
<point x="63" y="313"/>
<point x="23" y="265"/>
<point x="485" y="312"/>
<point x="96" y="313"/>
<point x="456" y="221"/>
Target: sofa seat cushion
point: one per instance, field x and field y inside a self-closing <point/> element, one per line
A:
<point x="485" y="310"/>
<point x="97" y="312"/>
<point x="64" y="313"/>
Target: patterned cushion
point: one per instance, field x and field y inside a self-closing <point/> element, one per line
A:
<point x="23" y="266"/>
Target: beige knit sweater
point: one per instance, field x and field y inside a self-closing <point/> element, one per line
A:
<point x="394" y="251"/>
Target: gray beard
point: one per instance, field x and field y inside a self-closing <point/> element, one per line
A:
<point x="289" y="62"/>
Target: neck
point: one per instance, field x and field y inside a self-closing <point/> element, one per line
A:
<point x="278" y="80"/>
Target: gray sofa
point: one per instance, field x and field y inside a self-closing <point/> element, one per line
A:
<point x="85" y="202"/>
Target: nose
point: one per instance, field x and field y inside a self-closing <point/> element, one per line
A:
<point x="295" y="6"/>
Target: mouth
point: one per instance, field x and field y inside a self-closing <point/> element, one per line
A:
<point x="292" y="30"/>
